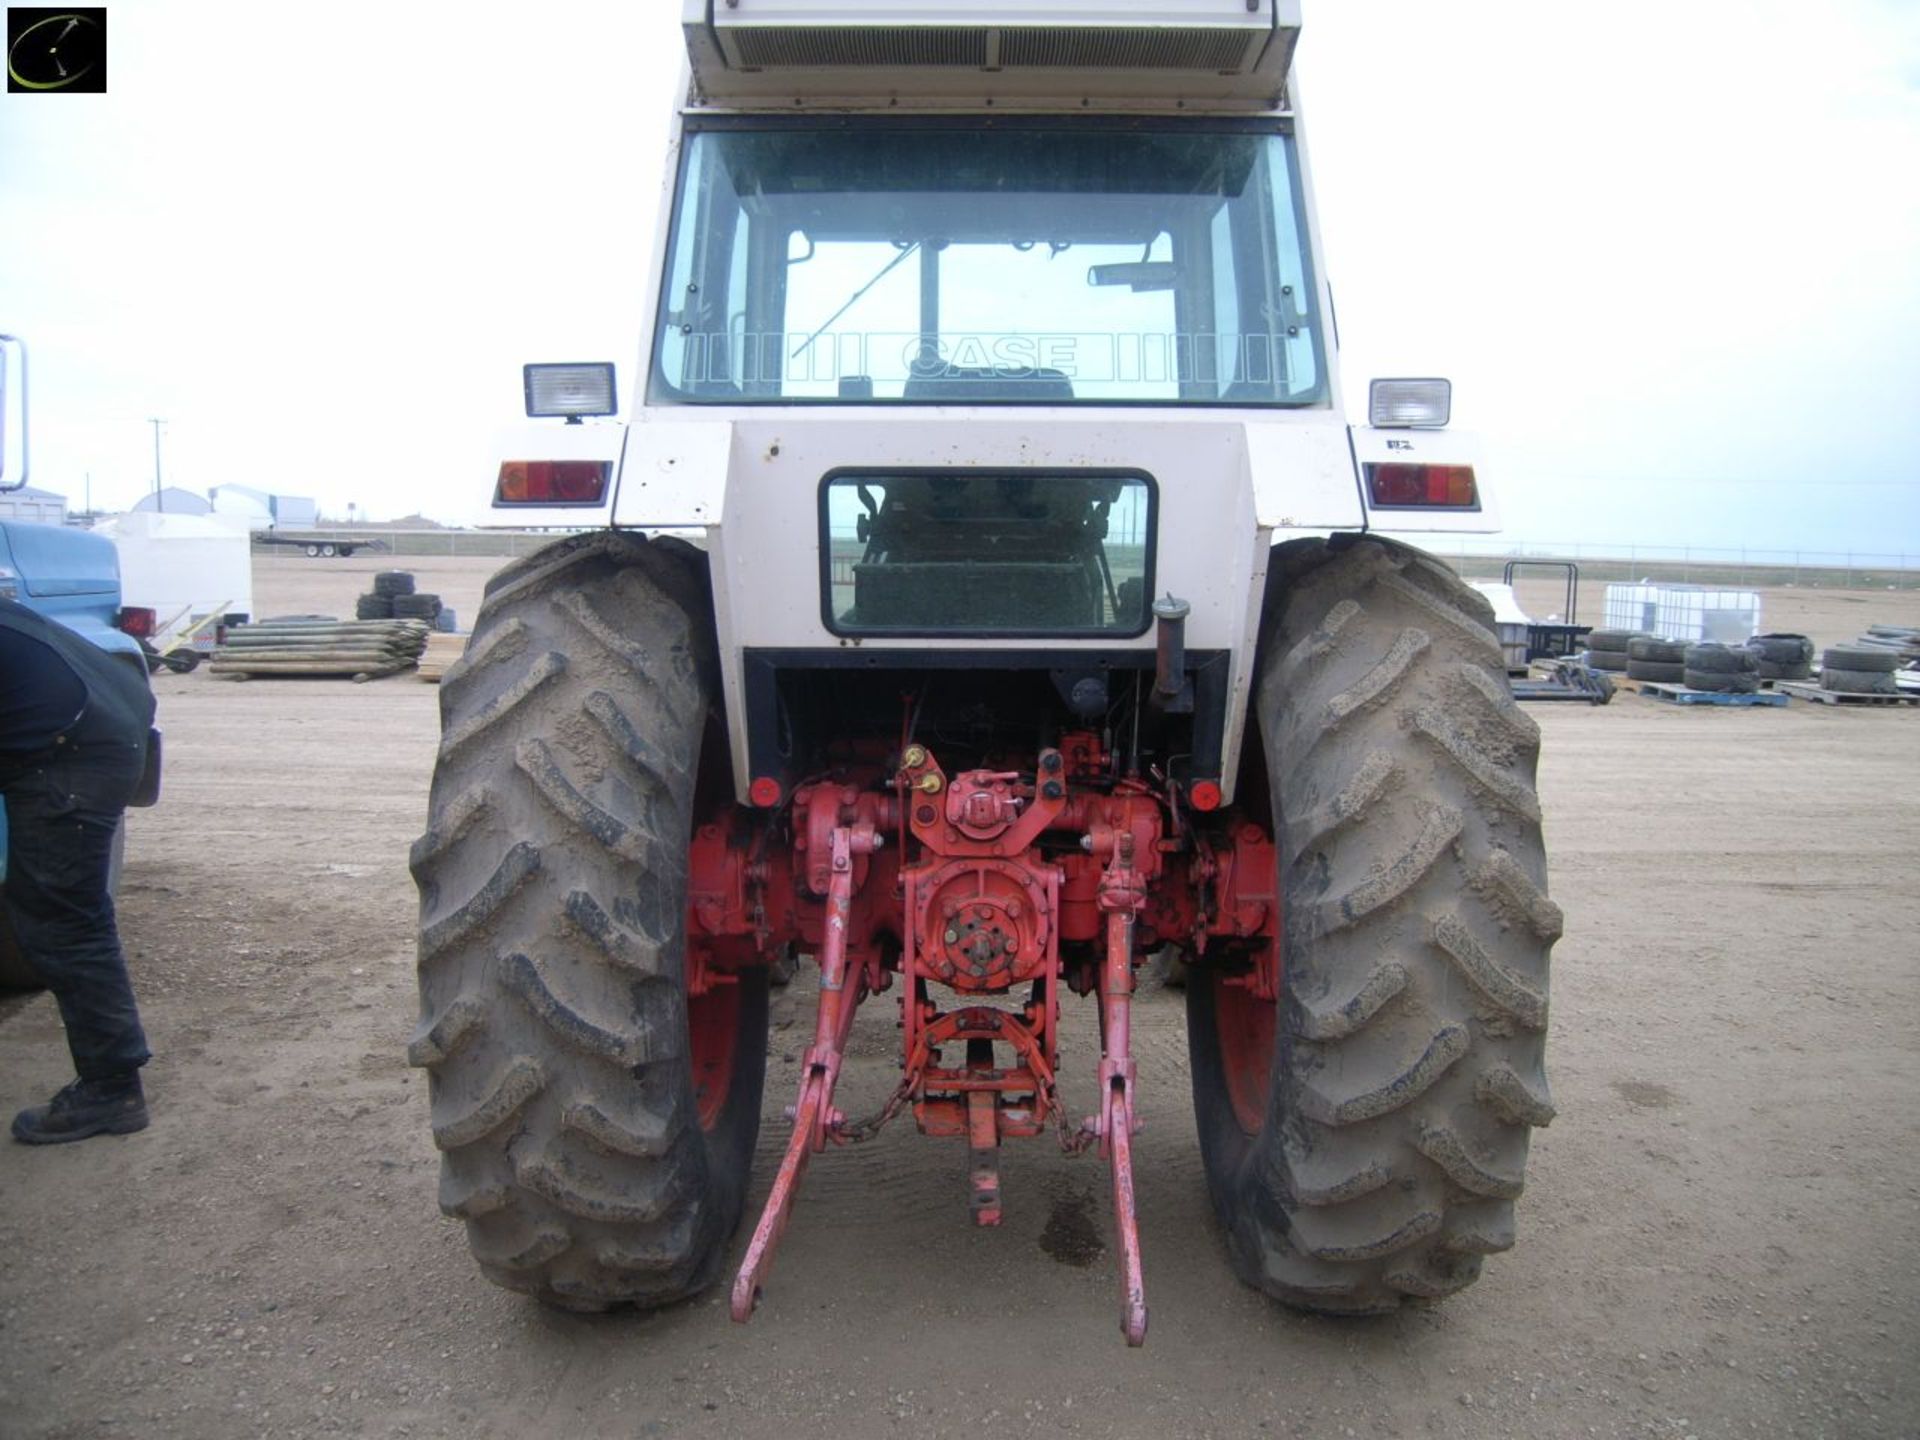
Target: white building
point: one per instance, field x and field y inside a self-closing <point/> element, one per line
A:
<point x="172" y="500"/>
<point x="33" y="507"/>
<point x="265" y="511"/>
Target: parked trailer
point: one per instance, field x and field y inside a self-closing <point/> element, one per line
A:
<point x="319" y="547"/>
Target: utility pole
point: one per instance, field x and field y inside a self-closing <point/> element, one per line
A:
<point x="158" y="503"/>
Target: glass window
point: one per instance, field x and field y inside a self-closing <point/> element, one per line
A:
<point x="986" y="553"/>
<point x="960" y="264"/>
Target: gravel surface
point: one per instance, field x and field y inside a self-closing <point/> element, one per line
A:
<point x="1721" y="1234"/>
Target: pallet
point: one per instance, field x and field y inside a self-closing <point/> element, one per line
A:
<point x="1681" y="695"/>
<point x="1806" y="690"/>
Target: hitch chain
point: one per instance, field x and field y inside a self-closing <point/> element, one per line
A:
<point x="858" y="1132"/>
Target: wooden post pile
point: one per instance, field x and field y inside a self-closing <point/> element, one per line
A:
<point x="363" y="650"/>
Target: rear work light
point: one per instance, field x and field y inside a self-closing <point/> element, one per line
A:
<point x="1422" y="487"/>
<point x="137" y="621"/>
<point x="569" y="390"/>
<point x="552" y="482"/>
<point x="1409" y="404"/>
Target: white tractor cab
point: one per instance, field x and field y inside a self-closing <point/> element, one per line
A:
<point x="930" y="237"/>
<point x="990" y="444"/>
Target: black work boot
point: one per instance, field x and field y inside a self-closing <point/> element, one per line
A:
<point x="85" y="1108"/>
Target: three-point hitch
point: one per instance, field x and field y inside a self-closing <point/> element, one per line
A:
<point x="968" y="886"/>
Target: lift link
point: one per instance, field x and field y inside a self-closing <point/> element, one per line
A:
<point x="1122" y="896"/>
<point x="813" y="1114"/>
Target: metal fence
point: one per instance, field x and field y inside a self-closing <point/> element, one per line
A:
<point x="1483" y="556"/>
<point x="504" y="544"/>
<point x="1478" y="556"/>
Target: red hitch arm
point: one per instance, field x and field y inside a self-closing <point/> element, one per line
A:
<point x="813" y="1113"/>
<point x="1121" y="895"/>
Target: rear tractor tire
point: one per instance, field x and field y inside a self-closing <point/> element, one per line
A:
<point x="1365" y="1139"/>
<point x="589" y="1164"/>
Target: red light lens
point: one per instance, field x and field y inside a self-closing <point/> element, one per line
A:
<point x="1205" y="795"/>
<point x="137" y="621"/>
<point x="764" y="792"/>
<point x="552" y="482"/>
<point x="1424" y="487"/>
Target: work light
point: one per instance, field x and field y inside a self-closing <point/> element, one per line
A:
<point x="569" y="390"/>
<point x="1404" y="404"/>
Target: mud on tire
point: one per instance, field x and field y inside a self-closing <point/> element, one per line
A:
<point x="553" y="1020"/>
<point x="1378" y="1154"/>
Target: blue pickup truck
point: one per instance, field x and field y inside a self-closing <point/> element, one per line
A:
<point x="71" y="576"/>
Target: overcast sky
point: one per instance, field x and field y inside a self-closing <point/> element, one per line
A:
<point x="1668" y="252"/>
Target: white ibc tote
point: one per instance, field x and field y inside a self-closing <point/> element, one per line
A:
<point x="1684" y="612"/>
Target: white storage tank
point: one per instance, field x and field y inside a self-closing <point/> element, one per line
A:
<point x="1684" y="612"/>
<point x="182" y="567"/>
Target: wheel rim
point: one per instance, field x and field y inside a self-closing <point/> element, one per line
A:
<point x="1245" y="1024"/>
<point x="713" y="1037"/>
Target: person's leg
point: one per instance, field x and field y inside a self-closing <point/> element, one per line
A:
<point x="60" y="824"/>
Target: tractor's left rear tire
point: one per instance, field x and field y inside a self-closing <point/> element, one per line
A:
<point x="596" y="1123"/>
<point x="1365" y="1135"/>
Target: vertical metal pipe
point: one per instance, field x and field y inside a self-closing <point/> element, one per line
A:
<point x="930" y="302"/>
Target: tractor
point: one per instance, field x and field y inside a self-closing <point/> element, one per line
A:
<point x="981" y="594"/>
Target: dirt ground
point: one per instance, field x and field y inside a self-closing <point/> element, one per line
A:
<point x="1721" y="1234"/>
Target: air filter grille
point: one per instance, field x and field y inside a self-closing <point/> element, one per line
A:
<point x="822" y="46"/>
<point x="1123" y="48"/>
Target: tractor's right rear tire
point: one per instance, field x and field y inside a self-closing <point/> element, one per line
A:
<point x="589" y="1166"/>
<point x="1365" y="1138"/>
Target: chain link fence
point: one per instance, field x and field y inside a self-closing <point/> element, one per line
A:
<point x="1481" y="557"/>
<point x="1475" y="556"/>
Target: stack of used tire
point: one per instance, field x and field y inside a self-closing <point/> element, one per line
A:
<point x="1651" y="658"/>
<point x="1782" y="656"/>
<point x="1851" y="670"/>
<point x="394" y="598"/>
<point x="417" y="607"/>
<point x="388" y="586"/>
<point x="1723" y="668"/>
<point x="1607" y="649"/>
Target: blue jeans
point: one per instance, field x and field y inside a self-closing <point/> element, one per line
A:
<point x="61" y="817"/>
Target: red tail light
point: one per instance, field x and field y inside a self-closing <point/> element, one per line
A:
<point x="1423" y="487"/>
<point x="552" y="482"/>
<point x="137" y="621"/>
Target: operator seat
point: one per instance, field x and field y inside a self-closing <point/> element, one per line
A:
<point x="987" y="383"/>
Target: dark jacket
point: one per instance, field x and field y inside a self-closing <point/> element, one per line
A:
<point x="117" y="708"/>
